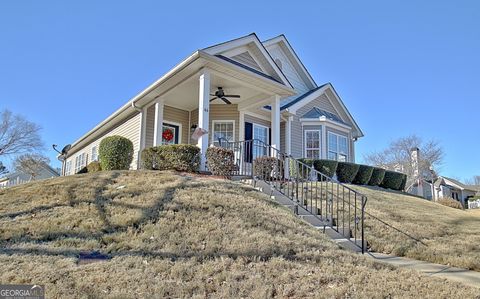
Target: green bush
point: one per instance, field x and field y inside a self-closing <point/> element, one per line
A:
<point x="403" y="185"/>
<point x="82" y="170"/>
<point x="221" y="161"/>
<point x="392" y="180"/>
<point x="346" y="172"/>
<point x="115" y="153"/>
<point x="377" y="176"/>
<point x="268" y="168"/>
<point x="299" y="170"/>
<point x="94" y="166"/>
<point x="364" y="175"/>
<point x="179" y="157"/>
<point x="326" y="167"/>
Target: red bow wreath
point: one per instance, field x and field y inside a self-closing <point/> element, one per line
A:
<point x="167" y="134"/>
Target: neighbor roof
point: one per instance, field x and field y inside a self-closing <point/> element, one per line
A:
<point x="459" y="184"/>
<point x="317" y="113"/>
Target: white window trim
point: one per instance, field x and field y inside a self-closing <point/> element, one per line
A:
<point x="79" y="163"/>
<point x="68" y="167"/>
<point x="217" y="121"/>
<point x="338" y="145"/>
<point x="176" y="124"/>
<point x="259" y="125"/>
<point x="92" y="153"/>
<point x="319" y="142"/>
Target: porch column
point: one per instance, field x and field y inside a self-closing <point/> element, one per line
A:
<point x="275" y="122"/>
<point x="203" y="114"/>
<point x="158" y="128"/>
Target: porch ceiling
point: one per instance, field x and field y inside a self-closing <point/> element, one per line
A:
<point x="185" y="95"/>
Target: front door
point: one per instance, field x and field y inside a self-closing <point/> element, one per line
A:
<point x="170" y="134"/>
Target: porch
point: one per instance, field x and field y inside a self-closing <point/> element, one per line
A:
<point x="173" y="117"/>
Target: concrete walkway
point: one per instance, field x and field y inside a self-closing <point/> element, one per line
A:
<point x="471" y="278"/>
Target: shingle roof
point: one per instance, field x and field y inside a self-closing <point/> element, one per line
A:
<point x="301" y="97"/>
<point x="317" y="113"/>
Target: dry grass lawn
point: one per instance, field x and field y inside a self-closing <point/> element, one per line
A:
<point x="451" y="236"/>
<point x="177" y="236"/>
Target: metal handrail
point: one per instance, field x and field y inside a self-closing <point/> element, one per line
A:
<point x="323" y="197"/>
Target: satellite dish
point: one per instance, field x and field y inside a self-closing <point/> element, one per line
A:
<point x="66" y="148"/>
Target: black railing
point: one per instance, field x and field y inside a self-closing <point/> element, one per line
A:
<point x="313" y="193"/>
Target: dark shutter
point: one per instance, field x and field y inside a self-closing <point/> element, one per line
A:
<point x="269" y="136"/>
<point x="248" y="136"/>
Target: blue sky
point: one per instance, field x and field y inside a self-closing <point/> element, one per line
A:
<point x="401" y="67"/>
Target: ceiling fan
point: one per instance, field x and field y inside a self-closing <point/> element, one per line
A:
<point x="222" y="96"/>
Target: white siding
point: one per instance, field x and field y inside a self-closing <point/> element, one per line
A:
<point x="247" y="59"/>
<point x="129" y="128"/>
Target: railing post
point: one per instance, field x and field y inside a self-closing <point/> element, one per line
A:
<point x="363" y="225"/>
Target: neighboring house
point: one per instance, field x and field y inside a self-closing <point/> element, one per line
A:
<point x="444" y="188"/>
<point x="17" y="178"/>
<point x="279" y="103"/>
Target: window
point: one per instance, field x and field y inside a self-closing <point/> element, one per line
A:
<point x="224" y="130"/>
<point x="94" y="153"/>
<point x="260" y="135"/>
<point x="68" y="167"/>
<point x="79" y="162"/>
<point x="337" y="147"/>
<point x="312" y="144"/>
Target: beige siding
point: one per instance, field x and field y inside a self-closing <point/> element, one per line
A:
<point x="193" y="121"/>
<point x="130" y="129"/>
<point x="247" y="59"/>
<point x="219" y="112"/>
<point x="170" y="115"/>
<point x="256" y="120"/>
<point x="321" y="102"/>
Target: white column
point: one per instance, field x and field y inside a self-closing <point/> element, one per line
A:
<point x="158" y="128"/>
<point x="275" y="122"/>
<point x="241" y="126"/>
<point x="203" y="113"/>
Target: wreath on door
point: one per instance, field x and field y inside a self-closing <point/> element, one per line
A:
<point x="167" y="135"/>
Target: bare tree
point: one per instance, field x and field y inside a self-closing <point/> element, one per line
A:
<point x="18" y="135"/>
<point x="30" y="164"/>
<point x="475" y="180"/>
<point x="397" y="156"/>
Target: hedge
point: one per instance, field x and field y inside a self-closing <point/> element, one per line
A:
<point x="392" y="180"/>
<point x="326" y="167"/>
<point x="346" y="172"/>
<point x="221" y="161"/>
<point x="115" y="153"/>
<point x="377" y="176"/>
<point x="94" y="166"/>
<point x="268" y="168"/>
<point x="179" y="157"/>
<point x="403" y="185"/>
<point x="364" y="175"/>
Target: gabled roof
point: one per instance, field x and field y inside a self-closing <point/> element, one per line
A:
<point x="251" y="39"/>
<point x="299" y="66"/>
<point x="317" y="113"/>
<point x="248" y="68"/>
<point x="310" y="95"/>
<point x="455" y="183"/>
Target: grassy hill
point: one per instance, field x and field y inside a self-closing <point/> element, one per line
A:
<point x="448" y="236"/>
<point x="170" y="235"/>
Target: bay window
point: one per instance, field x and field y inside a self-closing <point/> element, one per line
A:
<point x="312" y="144"/>
<point x="337" y="147"/>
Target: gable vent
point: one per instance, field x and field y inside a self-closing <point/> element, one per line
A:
<point x="246" y="59"/>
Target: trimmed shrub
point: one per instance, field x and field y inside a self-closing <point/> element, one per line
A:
<point x="221" y="161"/>
<point x="115" y="153"/>
<point x="392" y="180"/>
<point x="403" y="185"/>
<point x="450" y="202"/>
<point x="268" y="168"/>
<point x="327" y="167"/>
<point x="346" y="172"/>
<point x="94" y="167"/>
<point x="364" y="175"/>
<point x="179" y="157"/>
<point x="82" y="170"/>
<point x="377" y="176"/>
<point x="298" y="170"/>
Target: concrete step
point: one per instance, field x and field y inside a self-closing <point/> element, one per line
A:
<point x="314" y="221"/>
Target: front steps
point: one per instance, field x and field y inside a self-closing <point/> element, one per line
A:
<point x="307" y="214"/>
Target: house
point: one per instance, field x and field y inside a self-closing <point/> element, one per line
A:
<point x="451" y="188"/>
<point x="16" y="178"/>
<point x="241" y="89"/>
